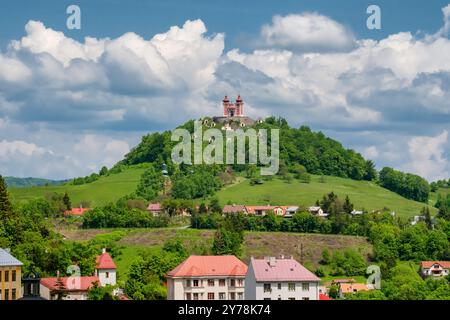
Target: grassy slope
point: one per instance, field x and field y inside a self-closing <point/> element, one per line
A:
<point x="364" y="194"/>
<point x="257" y="244"/>
<point x="104" y="190"/>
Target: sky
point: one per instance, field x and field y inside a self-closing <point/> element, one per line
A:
<point x="72" y="101"/>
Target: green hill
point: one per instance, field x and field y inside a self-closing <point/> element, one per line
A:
<point x="105" y="189"/>
<point x="364" y="194"/>
<point x="14" y="182"/>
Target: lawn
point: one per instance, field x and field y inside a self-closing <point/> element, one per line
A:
<point x="106" y="189"/>
<point x="364" y="194"/>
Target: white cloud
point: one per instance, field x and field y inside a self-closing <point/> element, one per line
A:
<point x="310" y="70"/>
<point x="307" y="32"/>
<point x="371" y="152"/>
<point x="427" y="156"/>
<point x="21" y="148"/>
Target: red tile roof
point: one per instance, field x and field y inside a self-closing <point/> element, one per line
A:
<point x="281" y="270"/>
<point x="76" y="211"/>
<point x="324" y="297"/>
<point x="84" y="285"/>
<point x="154" y="207"/>
<point x="104" y="261"/>
<point x="233" y="208"/>
<point x="200" y="266"/>
<point x="429" y="264"/>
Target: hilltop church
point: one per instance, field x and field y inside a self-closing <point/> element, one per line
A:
<point x="233" y="115"/>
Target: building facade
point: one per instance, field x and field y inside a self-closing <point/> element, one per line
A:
<point x="280" y="279"/>
<point x="435" y="268"/>
<point x="106" y="269"/>
<point x="207" y="278"/>
<point x="10" y="276"/>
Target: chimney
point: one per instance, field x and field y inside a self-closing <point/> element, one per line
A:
<point x="57" y="274"/>
<point x="8" y="250"/>
<point x="104" y="250"/>
<point x="272" y="261"/>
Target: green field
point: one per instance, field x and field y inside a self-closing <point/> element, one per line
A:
<point x="104" y="190"/>
<point x="364" y="194"/>
<point x="257" y="244"/>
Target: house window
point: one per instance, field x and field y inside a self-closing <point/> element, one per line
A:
<point x="195" y="296"/>
<point x="6" y="276"/>
<point x="0" y="276"/>
<point x="305" y="298"/>
<point x="195" y="282"/>
<point x="107" y="275"/>
<point x="267" y="287"/>
<point x="232" y="296"/>
<point x="240" y="296"/>
<point x="267" y="299"/>
<point x="232" y="282"/>
<point x="13" y="275"/>
<point x="291" y="286"/>
<point x="188" y="283"/>
<point x="13" y="294"/>
<point x="240" y="282"/>
<point x="210" y="295"/>
<point x="221" y="295"/>
<point x="211" y="283"/>
<point x="0" y="294"/>
<point x="222" y="282"/>
<point x="305" y="286"/>
<point x="279" y="286"/>
<point x="291" y="298"/>
<point x="6" y="293"/>
<point x="188" y="296"/>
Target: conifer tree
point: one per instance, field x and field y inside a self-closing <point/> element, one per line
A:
<point x="5" y="205"/>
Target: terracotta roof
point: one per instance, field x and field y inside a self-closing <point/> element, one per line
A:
<point x="281" y="270"/>
<point x="233" y="208"/>
<point x="199" y="266"/>
<point x="353" y="287"/>
<point x="154" y="207"/>
<point x="85" y="283"/>
<point x="429" y="264"/>
<point x="324" y="297"/>
<point x="104" y="261"/>
<point x="76" y="211"/>
<point x="252" y="209"/>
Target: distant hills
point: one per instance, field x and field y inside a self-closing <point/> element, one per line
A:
<point x="14" y="182"/>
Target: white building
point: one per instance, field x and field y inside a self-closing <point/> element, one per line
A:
<point x="207" y="278"/>
<point x="435" y="268"/>
<point x="317" y="211"/>
<point x="280" y="279"/>
<point x="77" y="288"/>
<point x="106" y="269"/>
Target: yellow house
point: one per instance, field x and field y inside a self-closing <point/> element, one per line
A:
<point x="10" y="276"/>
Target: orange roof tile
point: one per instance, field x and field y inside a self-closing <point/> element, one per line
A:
<point x="104" y="261"/>
<point x="84" y="285"/>
<point x="429" y="264"/>
<point x="200" y="266"/>
<point x="353" y="287"/>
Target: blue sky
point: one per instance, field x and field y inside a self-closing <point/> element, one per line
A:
<point x="70" y="105"/>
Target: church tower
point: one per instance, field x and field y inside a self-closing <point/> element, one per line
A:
<point x="233" y="109"/>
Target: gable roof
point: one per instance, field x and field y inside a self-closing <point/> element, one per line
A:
<point x="233" y="208"/>
<point x="200" y="266"/>
<point x="154" y="207"/>
<point x="353" y="287"/>
<point x="104" y="261"/>
<point x="85" y="283"/>
<point x="429" y="264"/>
<point x="76" y="211"/>
<point x="281" y="270"/>
<point x="7" y="260"/>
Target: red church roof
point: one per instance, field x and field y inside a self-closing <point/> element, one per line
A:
<point x="84" y="285"/>
<point x="200" y="266"/>
<point x="104" y="261"/>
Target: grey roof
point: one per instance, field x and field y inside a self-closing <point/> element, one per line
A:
<point x="7" y="260"/>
